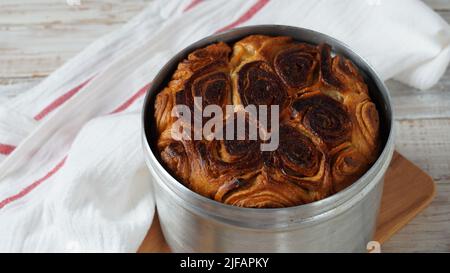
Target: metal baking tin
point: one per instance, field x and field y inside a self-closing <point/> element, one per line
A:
<point x="343" y="222"/>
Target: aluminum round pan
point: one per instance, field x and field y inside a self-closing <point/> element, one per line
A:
<point x="321" y="209"/>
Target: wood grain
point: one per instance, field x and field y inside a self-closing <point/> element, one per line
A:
<point x="38" y="36"/>
<point x="57" y="31"/>
<point x="407" y="191"/>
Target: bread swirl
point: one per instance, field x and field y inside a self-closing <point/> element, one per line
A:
<point x="328" y="131"/>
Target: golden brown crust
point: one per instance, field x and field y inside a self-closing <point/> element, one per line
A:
<point x="329" y="127"/>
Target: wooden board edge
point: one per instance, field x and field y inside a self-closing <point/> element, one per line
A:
<point x="424" y="204"/>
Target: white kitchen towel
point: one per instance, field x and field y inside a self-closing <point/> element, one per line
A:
<point x="72" y="174"/>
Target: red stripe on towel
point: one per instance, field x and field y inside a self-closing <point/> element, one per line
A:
<point x="246" y="16"/>
<point x="59" y="101"/>
<point x="55" y="169"/>
<point x="133" y="98"/>
<point x="192" y="4"/>
<point x="6" y="149"/>
<point x="33" y="185"/>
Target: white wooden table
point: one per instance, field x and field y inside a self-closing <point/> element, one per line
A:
<point x="38" y="36"/>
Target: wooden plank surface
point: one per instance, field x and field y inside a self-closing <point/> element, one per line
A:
<point x="37" y="36"/>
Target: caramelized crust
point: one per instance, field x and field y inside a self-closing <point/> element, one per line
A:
<point x="328" y="132"/>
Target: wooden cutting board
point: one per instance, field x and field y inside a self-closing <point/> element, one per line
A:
<point x="407" y="191"/>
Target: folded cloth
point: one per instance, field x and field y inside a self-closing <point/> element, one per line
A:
<point x="72" y="174"/>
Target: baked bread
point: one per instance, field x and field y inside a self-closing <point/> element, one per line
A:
<point x="328" y="131"/>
